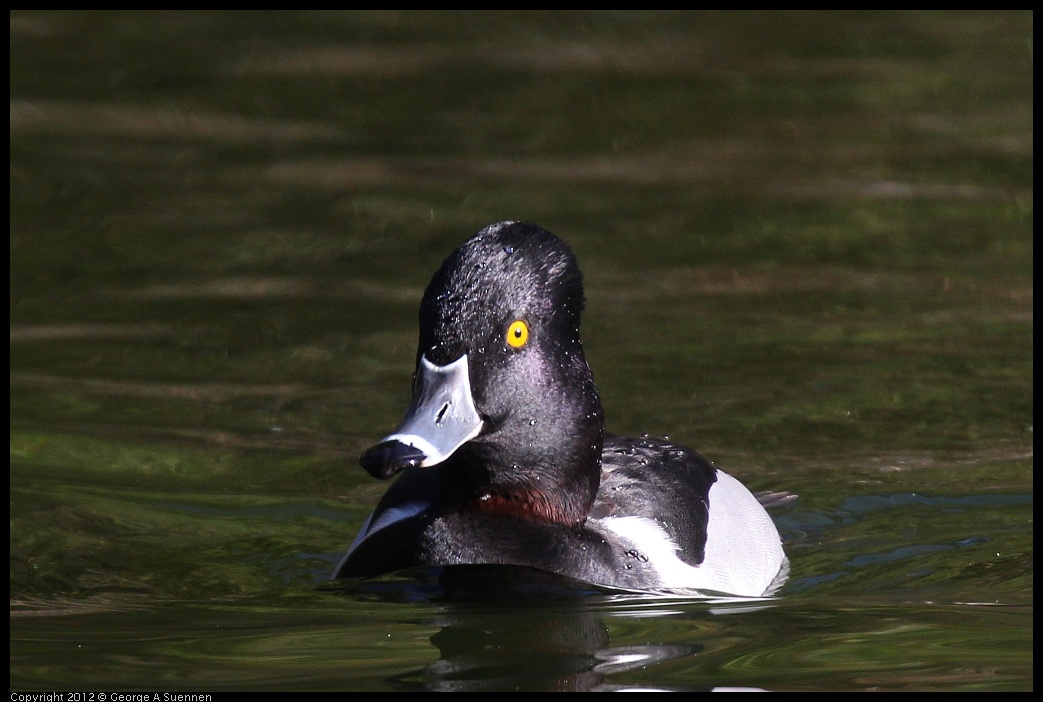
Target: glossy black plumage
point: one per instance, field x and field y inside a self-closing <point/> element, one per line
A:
<point x="503" y="455"/>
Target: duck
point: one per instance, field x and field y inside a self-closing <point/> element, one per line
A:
<point x="503" y="458"/>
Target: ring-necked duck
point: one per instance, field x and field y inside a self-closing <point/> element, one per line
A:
<point x="505" y="460"/>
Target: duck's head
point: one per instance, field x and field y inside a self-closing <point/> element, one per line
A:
<point x="503" y="399"/>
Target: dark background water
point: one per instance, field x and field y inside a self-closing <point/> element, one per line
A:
<point x="807" y="241"/>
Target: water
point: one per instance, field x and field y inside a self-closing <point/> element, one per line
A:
<point x="807" y="241"/>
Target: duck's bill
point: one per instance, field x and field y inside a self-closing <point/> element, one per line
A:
<point x="441" y="418"/>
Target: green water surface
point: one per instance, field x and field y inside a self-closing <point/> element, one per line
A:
<point x="807" y="242"/>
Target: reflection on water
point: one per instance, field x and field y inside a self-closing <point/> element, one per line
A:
<point x="807" y="243"/>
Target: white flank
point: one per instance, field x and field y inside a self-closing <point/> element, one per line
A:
<point x="743" y="552"/>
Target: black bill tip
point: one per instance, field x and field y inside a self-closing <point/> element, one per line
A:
<point x="389" y="457"/>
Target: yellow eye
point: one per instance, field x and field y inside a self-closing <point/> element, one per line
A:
<point x="517" y="334"/>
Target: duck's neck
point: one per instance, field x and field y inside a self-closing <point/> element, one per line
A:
<point x="556" y="486"/>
